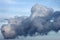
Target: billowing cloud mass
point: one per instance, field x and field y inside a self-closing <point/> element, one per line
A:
<point x="41" y="21"/>
<point x="40" y="10"/>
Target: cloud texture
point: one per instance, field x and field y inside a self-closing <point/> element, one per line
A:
<point x="41" y="21"/>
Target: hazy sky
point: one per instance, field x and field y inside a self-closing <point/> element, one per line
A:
<point x="10" y="8"/>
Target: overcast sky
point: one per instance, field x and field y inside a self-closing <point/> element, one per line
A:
<point x="10" y="8"/>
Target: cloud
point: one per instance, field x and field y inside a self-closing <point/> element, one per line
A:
<point x="41" y="11"/>
<point x="56" y="23"/>
<point x="38" y="22"/>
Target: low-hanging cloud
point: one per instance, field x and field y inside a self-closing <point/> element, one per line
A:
<point x="42" y="20"/>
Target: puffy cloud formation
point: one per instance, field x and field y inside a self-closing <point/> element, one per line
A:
<point x="9" y="31"/>
<point x="56" y="23"/>
<point x="41" y="11"/>
<point x="41" y="21"/>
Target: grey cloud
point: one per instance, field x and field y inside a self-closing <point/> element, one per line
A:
<point x="38" y="22"/>
<point x="56" y="23"/>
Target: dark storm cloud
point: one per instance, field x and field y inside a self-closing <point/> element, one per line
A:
<point x="56" y="23"/>
<point x="41" y="21"/>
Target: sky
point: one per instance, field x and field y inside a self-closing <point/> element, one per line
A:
<point x="11" y="8"/>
